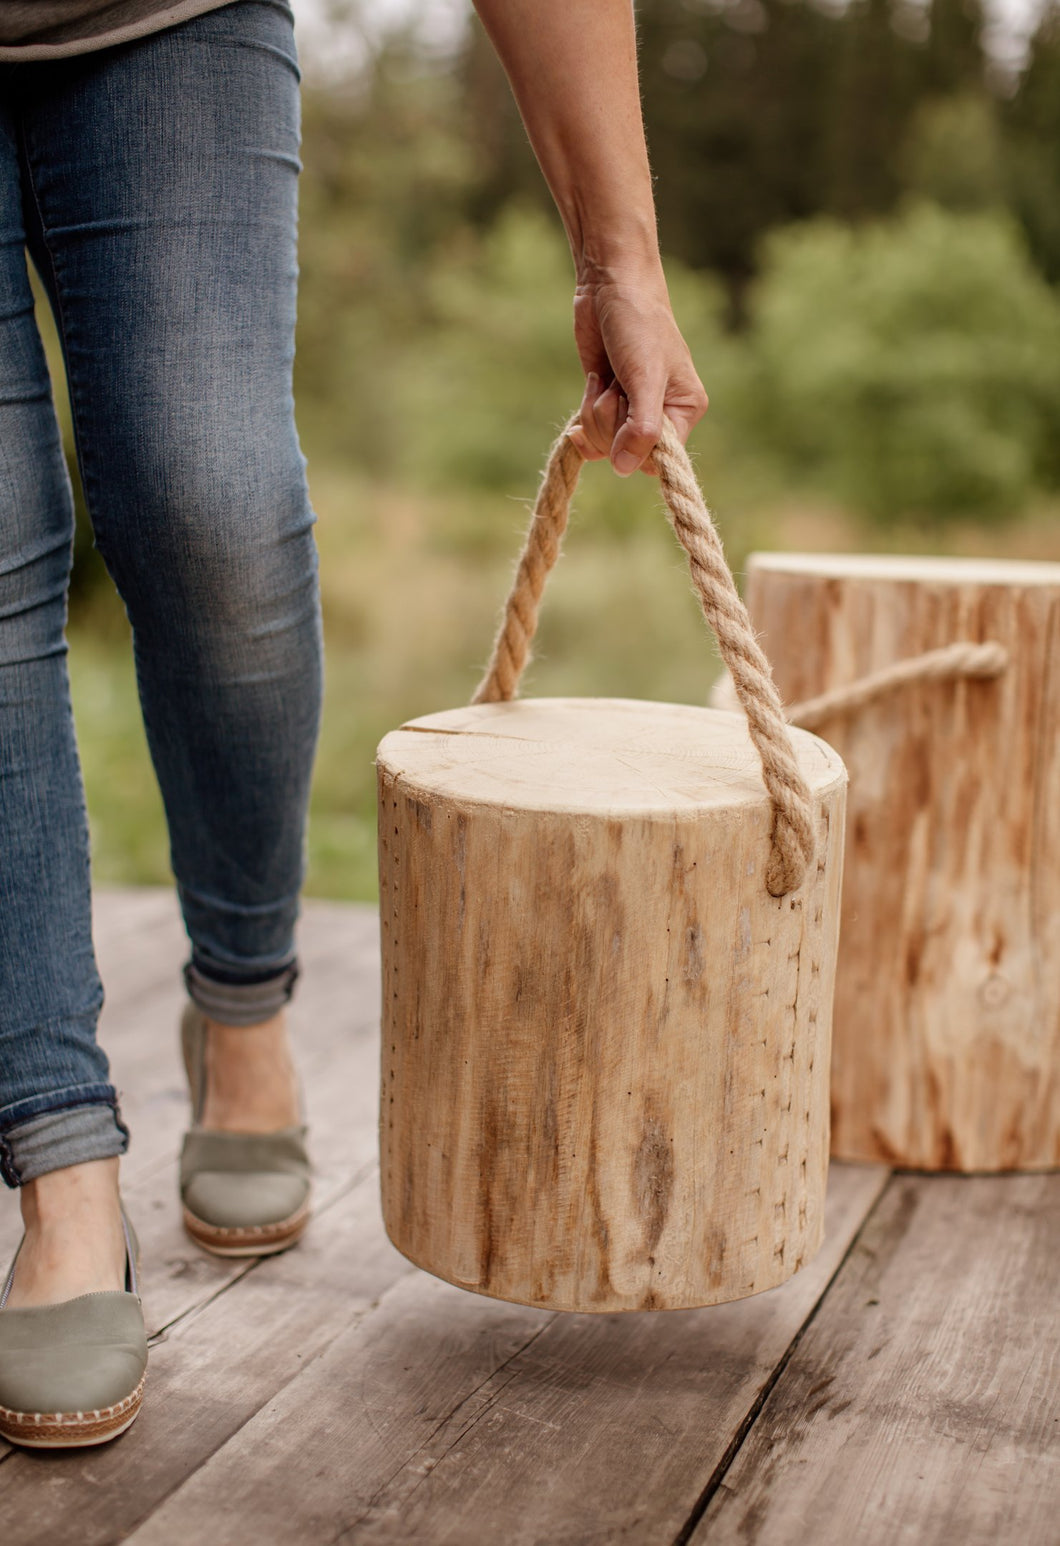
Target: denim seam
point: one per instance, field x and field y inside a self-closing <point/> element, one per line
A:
<point x="82" y="443"/>
<point x="239" y="1003"/>
<point x="58" y="1100"/>
<point x="253" y="910"/>
<point x="23" y="136"/>
<point x="88" y="478"/>
<point x="9" y="1172"/>
<point x="290" y="968"/>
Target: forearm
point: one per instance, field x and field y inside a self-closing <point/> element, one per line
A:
<point x="573" y="68"/>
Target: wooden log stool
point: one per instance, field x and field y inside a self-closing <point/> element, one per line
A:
<point x="608" y="955"/>
<point x="938" y="681"/>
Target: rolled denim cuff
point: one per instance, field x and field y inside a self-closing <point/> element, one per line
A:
<point x="239" y="1003"/>
<point x="55" y="1139"/>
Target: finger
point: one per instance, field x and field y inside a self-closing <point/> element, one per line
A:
<point x="578" y="438"/>
<point x="638" y="434"/>
<point x="609" y="413"/>
<point x="585" y="435"/>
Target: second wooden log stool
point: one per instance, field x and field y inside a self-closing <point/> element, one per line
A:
<point x="947" y="1024"/>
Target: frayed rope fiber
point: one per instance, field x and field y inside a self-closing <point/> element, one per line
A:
<point x="793" y="841"/>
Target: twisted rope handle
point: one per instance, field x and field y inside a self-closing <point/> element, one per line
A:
<point x="951" y="663"/>
<point x="958" y="662"/>
<point x="793" y="826"/>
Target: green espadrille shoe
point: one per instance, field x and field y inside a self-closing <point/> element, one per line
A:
<point x="244" y="1194"/>
<point x="73" y="1373"/>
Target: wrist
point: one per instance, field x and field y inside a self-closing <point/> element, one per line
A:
<point x="619" y="261"/>
<point x="606" y="242"/>
<point x="627" y="269"/>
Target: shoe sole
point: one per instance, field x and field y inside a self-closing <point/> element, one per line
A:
<point x="247" y="1240"/>
<point x="70" y="1430"/>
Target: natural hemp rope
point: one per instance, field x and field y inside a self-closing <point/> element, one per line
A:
<point x="793" y="825"/>
<point x="952" y="663"/>
<point x="958" y="662"/>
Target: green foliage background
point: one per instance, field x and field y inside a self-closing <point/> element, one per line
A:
<point x="860" y="212"/>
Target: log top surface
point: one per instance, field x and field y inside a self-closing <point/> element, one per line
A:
<point x="617" y="756"/>
<point x="912" y="566"/>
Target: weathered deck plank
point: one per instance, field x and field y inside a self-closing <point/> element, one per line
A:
<point x="140" y="944"/>
<point x="335" y="1018"/>
<point x="442" y="1417"/>
<point x="215" y="1369"/>
<point x="923" y="1403"/>
<point x="338" y="1394"/>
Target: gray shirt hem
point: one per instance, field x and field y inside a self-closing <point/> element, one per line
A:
<point x="155" y="21"/>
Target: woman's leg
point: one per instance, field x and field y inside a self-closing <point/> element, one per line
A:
<point x="59" y="1123"/>
<point x="159" y="192"/>
<point x="163" y="180"/>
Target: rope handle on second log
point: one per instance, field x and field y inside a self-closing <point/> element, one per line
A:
<point x="965" y="661"/>
<point x="793" y="823"/>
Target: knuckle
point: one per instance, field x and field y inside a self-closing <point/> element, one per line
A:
<point x="645" y="429"/>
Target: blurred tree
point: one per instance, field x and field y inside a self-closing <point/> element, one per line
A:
<point x="764" y="112"/>
<point x="954" y="153"/>
<point x="1032" y="123"/>
<point x="759" y="113"/>
<point x="953" y="54"/>
<point x="435" y="306"/>
<point x="732" y="99"/>
<point x="910" y="367"/>
<point x="504" y="164"/>
<point x="499" y="363"/>
<point x="385" y="189"/>
<point x="867" y="115"/>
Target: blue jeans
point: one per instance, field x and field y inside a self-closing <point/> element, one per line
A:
<point x="155" y="187"/>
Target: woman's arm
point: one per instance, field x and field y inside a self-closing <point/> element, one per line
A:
<point x="573" y="68"/>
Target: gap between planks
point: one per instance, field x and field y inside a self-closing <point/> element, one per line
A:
<point x="688" y="1529"/>
<point x="441" y="1416"/>
<point x="236" y="1377"/>
<point x="921" y="1403"/>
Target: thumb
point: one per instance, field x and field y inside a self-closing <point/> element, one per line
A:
<point x="639" y="433"/>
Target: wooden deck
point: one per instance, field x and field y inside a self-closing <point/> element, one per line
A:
<point x="902" y="1390"/>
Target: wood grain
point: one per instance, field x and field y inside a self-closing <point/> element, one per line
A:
<point x="605" y="1044"/>
<point x="946" y="1049"/>
<point x="446" y="1417"/>
<point x="922" y="1403"/>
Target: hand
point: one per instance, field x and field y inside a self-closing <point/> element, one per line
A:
<point x="637" y="368"/>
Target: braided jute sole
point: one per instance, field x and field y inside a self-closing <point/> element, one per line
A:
<point x="70" y="1430"/>
<point x="248" y="1240"/>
